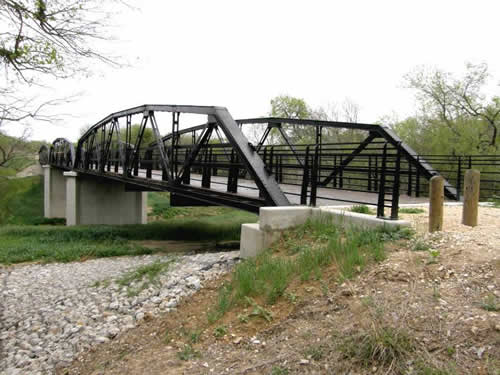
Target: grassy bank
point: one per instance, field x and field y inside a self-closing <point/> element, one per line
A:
<point x="302" y="255"/>
<point x="21" y="203"/>
<point x="64" y="244"/>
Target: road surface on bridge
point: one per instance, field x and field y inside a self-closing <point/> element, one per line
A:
<point x="326" y="196"/>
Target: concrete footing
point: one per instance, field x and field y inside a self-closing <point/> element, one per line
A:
<point x="254" y="240"/>
<point x="273" y="220"/>
<point x="83" y="199"/>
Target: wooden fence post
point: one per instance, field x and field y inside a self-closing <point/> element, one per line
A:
<point x="471" y="197"/>
<point x="436" y="200"/>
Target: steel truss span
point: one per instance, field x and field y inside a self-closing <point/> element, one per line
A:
<point x="213" y="163"/>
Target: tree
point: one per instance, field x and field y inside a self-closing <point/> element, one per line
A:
<point x="147" y="137"/>
<point x="51" y="37"/>
<point x="42" y="39"/>
<point x="289" y="107"/>
<point x="296" y="108"/>
<point x="12" y="148"/>
<point x="458" y="104"/>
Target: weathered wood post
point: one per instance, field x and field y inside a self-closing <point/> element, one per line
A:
<point x="436" y="200"/>
<point x="471" y="197"/>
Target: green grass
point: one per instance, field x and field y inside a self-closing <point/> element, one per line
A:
<point x="21" y="201"/>
<point x="161" y="209"/>
<point x="65" y="244"/>
<point x="315" y="352"/>
<point x="25" y="240"/>
<point x="381" y="345"/>
<point x="188" y="353"/>
<point x="268" y="276"/>
<point x="7" y="172"/>
<point x="411" y="210"/>
<point x="362" y="209"/>
<point x="277" y="370"/>
<point x="220" y="331"/>
<point x="420" y="245"/>
<point x="491" y="303"/>
<point x="150" y="272"/>
<point x="495" y="200"/>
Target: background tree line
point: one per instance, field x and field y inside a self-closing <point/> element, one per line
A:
<point x="453" y="117"/>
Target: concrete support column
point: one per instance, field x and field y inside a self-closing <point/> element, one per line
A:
<point x="99" y="201"/>
<point x="54" y="192"/>
<point x="71" y="198"/>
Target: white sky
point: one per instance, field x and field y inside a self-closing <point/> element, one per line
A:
<point x="240" y="54"/>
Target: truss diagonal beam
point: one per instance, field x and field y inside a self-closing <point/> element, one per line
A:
<point x="350" y="158"/>
<point x="251" y="159"/>
<point x="163" y="155"/>
<point x="292" y="147"/>
<point x="194" y="153"/>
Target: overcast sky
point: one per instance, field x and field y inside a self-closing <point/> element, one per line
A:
<point x="240" y="54"/>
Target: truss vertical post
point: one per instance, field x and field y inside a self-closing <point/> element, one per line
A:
<point x="213" y="161"/>
<point x="271" y="156"/>
<point x="128" y="137"/>
<point x="335" y="166"/>
<point x="319" y="136"/>
<point x="186" y="173"/>
<point x="205" y="179"/>
<point x="148" y="159"/>
<point x="305" y="178"/>
<point x="314" y="177"/>
<point x="381" y="186"/>
<point x="459" y="176"/>
<point x="341" y="175"/>
<point x="369" y="187"/>
<point x="396" y="186"/>
<point x="117" y="156"/>
<point x="410" y="179"/>
<point x="280" y="162"/>
<point x="417" y="180"/>
<point x="232" y="184"/>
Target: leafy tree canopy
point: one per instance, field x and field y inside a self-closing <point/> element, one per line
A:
<point x="453" y="111"/>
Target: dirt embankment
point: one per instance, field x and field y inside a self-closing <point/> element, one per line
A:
<point x="430" y="308"/>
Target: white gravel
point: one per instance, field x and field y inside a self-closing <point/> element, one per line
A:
<point x="52" y="312"/>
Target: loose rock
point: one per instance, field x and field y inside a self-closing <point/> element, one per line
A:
<point x="52" y="312"/>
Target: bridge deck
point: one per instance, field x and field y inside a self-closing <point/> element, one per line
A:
<point x="326" y="196"/>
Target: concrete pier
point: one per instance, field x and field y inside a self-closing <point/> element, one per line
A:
<point x="54" y="192"/>
<point x="92" y="201"/>
<point x="86" y="200"/>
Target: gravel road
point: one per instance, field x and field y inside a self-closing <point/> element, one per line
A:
<point x="51" y="312"/>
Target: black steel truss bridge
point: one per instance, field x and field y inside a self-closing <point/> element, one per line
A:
<point x="214" y="163"/>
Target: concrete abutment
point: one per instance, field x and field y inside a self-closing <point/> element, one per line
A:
<point x="273" y="220"/>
